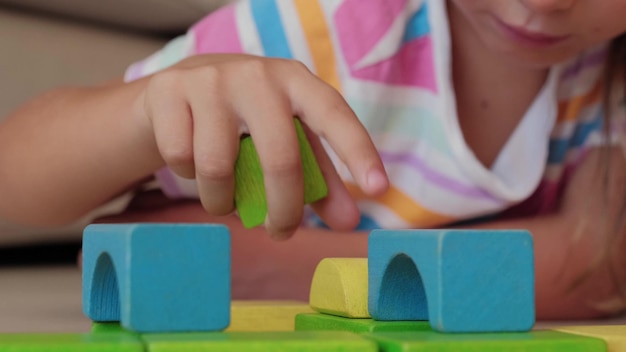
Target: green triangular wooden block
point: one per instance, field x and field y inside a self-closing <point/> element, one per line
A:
<point x="250" y="199"/>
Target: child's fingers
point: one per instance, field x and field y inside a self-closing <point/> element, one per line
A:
<point x="271" y="125"/>
<point x="331" y="118"/>
<point x="172" y="123"/>
<point x="338" y="210"/>
<point x="215" y="145"/>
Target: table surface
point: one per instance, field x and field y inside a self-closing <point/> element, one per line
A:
<point x="41" y="299"/>
<point x="48" y="299"/>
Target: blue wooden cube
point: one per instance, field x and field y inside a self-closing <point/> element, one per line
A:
<point x="459" y="280"/>
<point x="157" y="277"/>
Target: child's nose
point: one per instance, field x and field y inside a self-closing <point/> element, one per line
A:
<point x="547" y="6"/>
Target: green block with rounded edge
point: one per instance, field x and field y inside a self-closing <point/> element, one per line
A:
<point x="534" y="341"/>
<point x="327" y="322"/>
<point x="102" y="342"/>
<point x="110" y="327"/>
<point x="300" y="341"/>
<point x="250" y="199"/>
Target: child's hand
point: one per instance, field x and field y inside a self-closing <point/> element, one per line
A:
<point x="199" y="108"/>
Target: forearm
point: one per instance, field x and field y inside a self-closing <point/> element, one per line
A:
<point x="262" y="268"/>
<point x="571" y="280"/>
<point x="70" y="150"/>
<point x="580" y="250"/>
<point x="561" y="261"/>
<point x="570" y="283"/>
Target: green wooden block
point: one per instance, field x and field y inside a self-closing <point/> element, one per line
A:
<point x="535" y="341"/>
<point x="107" y="328"/>
<point x="250" y="199"/>
<point x="103" y="342"/>
<point x="259" y="342"/>
<point x="326" y="322"/>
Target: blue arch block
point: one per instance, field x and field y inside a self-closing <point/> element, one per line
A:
<point x="459" y="280"/>
<point x="157" y="277"/>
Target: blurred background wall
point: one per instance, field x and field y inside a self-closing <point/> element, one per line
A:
<point x="50" y="43"/>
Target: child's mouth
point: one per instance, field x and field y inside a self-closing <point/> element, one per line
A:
<point x="529" y="38"/>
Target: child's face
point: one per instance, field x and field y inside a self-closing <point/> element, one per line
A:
<point x="540" y="33"/>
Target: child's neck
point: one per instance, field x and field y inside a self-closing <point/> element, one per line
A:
<point x="492" y="93"/>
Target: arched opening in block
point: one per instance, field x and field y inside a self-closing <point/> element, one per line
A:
<point x="105" y="293"/>
<point x="402" y="294"/>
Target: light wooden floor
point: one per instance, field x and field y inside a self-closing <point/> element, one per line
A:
<point x="41" y="300"/>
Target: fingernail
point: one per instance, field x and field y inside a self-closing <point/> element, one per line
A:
<point x="266" y="224"/>
<point x="272" y="232"/>
<point x="376" y="181"/>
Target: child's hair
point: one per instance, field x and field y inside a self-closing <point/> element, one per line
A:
<point x="612" y="227"/>
<point x="615" y="232"/>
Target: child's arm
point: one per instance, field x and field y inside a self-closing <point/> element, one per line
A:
<point x="584" y="242"/>
<point x="70" y="150"/>
<point x="73" y="149"/>
<point x="264" y="269"/>
<point x="567" y="245"/>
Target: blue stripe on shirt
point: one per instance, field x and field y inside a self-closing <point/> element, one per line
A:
<point x="365" y="224"/>
<point x="560" y="147"/>
<point x="270" y="28"/>
<point x="418" y="25"/>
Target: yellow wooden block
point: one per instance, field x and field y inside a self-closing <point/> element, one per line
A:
<point x="265" y="315"/>
<point x="339" y="287"/>
<point x="614" y="335"/>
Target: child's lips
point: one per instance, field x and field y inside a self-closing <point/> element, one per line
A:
<point x="530" y="38"/>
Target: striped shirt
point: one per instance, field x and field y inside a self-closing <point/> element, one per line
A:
<point x="391" y="60"/>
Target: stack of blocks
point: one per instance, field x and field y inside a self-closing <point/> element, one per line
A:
<point x="166" y="287"/>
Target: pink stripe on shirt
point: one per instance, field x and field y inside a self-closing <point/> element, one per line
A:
<point x="218" y="33"/>
<point x="362" y="24"/>
<point x="411" y="66"/>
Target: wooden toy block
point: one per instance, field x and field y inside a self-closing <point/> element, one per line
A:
<point x="534" y="341"/>
<point x="70" y="343"/>
<point x="111" y="328"/>
<point x="459" y="280"/>
<point x="325" y="322"/>
<point x="613" y="335"/>
<point x="250" y="199"/>
<point x="339" y="287"/>
<point x="245" y="316"/>
<point x="301" y="341"/>
<point x="157" y="277"/>
<point x="265" y="315"/>
<point x="108" y="327"/>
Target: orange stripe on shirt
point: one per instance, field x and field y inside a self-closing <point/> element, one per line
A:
<point x="322" y="51"/>
<point x="569" y="110"/>
<point x="318" y="38"/>
<point x="404" y="207"/>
